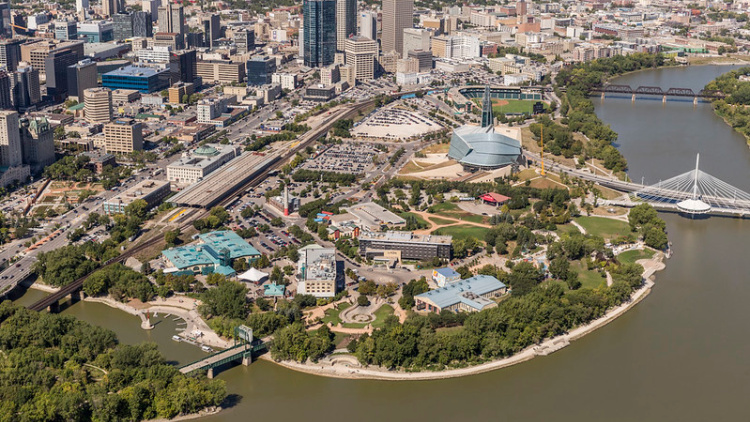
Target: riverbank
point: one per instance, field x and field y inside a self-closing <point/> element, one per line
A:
<point x="346" y="366"/>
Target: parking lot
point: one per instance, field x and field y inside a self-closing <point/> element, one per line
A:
<point x="344" y="158"/>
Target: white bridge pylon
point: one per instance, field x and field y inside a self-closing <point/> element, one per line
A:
<point x="696" y="192"/>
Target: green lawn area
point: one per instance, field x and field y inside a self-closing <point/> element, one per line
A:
<point x="462" y="232"/>
<point x="450" y="209"/>
<point x="420" y="220"/>
<point x="332" y="315"/>
<point x="444" y="207"/>
<point x="604" y="227"/>
<point x="589" y="279"/>
<point x="380" y="315"/>
<point x="441" y="221"/>
<point x="630" y="257"/>
<point x="566" y="229"/>
<point x="513" y="106"/>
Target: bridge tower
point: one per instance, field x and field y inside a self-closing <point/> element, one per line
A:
<point x="695" y="204"/>
<point x="487" y="118"/>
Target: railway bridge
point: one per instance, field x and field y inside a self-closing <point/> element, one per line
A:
<point x="652" y="91"/>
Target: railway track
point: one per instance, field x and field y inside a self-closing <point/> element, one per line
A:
<point x="238" y="192"/>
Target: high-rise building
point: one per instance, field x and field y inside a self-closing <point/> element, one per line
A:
<point x="143" y="25"/>
<point x="82" y="6"/>
<point x="5" y="91"/>
<point x="368" y="24"/>
<point x="416" y="39"/>
<point x="168" y="39"/>
<point x="37" y="53"/>
<point x="123" y="136"/>
<point x="25" y="88"/>
<point x="151" y="7"/>
<point x="319" y="32"/>
<point x="212" y="28"/>
<point x="172" y="19"/>
<point x="6" y="29"/>
<point x="182" y="66"/>
<point x="424" y="58"/>
<point x="10" y="53"/>
<point x="81" y="76"/>
<point x="260" y="70"/>
<point x="244" y="39"/>
<point x="56" y="69"/>
<point x="112" y="7"/>
<point x="195" y="40"/>
<point x="37" y="143"/>
<point x="346" y="21"/>
<point x="11" y="154"/>
<point x="521" y="9"/>
<point x="97" y="103"/>
<point x="397" y="16"/>
<point x="221" y="71"/>
<point x="66" y="30"/>
<point x="360" y="54"/>
<point x="123" y="26"/>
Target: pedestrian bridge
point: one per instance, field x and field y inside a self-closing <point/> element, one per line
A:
<point x="242" y="352"/>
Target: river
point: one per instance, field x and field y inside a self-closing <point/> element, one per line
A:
<point x="680" y="355"/>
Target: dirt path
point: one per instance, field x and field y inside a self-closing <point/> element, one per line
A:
<point x="426" y="216"/>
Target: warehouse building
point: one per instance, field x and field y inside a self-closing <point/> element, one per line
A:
<point x="471" y="295"/>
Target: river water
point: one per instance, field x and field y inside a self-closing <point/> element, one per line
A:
<point x="680" y="355"/>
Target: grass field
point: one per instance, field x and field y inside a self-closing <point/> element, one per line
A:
<point x="451" y="210"/>
<point x="443" y="207"/>
<point x="420" y="220"/>
<point x="511" y="106"/>
<point x="436" y="149"/>
<point x="566" y="229"/>
<point x="441" y="221"/>
<point x="604" y="227"/>
<point x="332" y="315"/>
<point x="380" y="315"/>
<point x="462" y="232"/>
<point x="589" y="279"/>
<point x="630" y="257"/>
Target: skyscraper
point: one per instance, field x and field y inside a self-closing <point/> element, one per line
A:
<point x="260" y="70"/>
<point x="25" y="88"/>
<point x="11" y="154"/>
<point x="319" y="32"/>
<point x="346" y="21"/>
<point x="112" y="7"/>
<point x="182" y="66"/>
<point x="152" y="7"/>
<point x="5" y="83"/>
<point x="82" y="6"/>
<point x="244" y="39"/>
<point x="143" y="25"/>
<point x="56" y="69"/>
<point x="6" y="30"/>
<point x="123" y="26"/>
<point x="172" y="19"/>
<point x="81" y="76"/>
<point x="97" y="103"/>
<point x="212" y="29"/>
<point x="10" y="53"/>
<point x="360" y="54"/>
<point x="368" y="24"/>
<point x="66" y="30"/>
<point x="397" y="16"/>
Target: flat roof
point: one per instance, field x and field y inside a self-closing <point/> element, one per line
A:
<point x="140" y="190"/>
<point x="406" y="237"/>
<point x="467" y="291"/>
<point x="320" y="264"/>
<point x="136" y="71"/>
<point x="372" y="214"/>
<point x="203" y="156"/>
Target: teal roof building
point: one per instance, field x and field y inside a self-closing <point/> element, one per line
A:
<point x="213" y="253"/>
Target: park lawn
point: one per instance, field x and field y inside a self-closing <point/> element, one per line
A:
<point x="444" y="207"/>
<point x="441" y="221"/>
<point x="462" y="232"/>
<point x="410" y="167"/>
<point x="566" y="229"/>
<point x="604" y="227"/>
<point x="332" y="315"/>
<point x="451" y="210"/>
<point x="380" y="315"/>
<point x="630" y="257"/>
<point x="526" y="174"/>
<point x="436" y="149"/>
<point x="421" y="221"/>
<point x="588" y="278"/>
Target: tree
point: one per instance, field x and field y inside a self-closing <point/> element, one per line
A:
<point x="137" y="208"/>
<point x="228" y="299"/>
<point x="524" y="277"/>
<point x="170" y="237"/>
<point x="362" y="300"/>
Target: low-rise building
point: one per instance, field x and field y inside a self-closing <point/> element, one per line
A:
<point x="471" y="295"/>
<point x="151" y="191"/>
<point x="194" y="166"/>
<point x="443" y="276"/>
<point x="404" y="245"/>
<point x="318" y="272"/>
<point x="372" y="217"/>
<point x="214" y="253"/>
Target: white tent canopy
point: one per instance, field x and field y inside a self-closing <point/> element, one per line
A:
<point x="253" y="275"/>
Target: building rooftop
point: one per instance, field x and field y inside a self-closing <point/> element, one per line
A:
<point x="447" y="272"/>
<point x="137" y="71"/>
<point x="373" y="215"/>
<point x="468" y="292"/>
<point x="203" y="156"/>
<point x="138" y="191"/>
<point x="396" y="236"/>
<point x="319" y="264"/>
<point x="230" y="241"/>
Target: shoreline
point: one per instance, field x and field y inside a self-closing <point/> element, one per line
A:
<point x="336" y="370"/>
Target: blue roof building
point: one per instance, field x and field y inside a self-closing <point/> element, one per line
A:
<point x="213" y="253"/>
<point x="142" y="78"/>
<point x="471" y="295"/>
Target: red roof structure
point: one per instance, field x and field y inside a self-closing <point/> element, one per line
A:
<point x="494" y="198"/>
